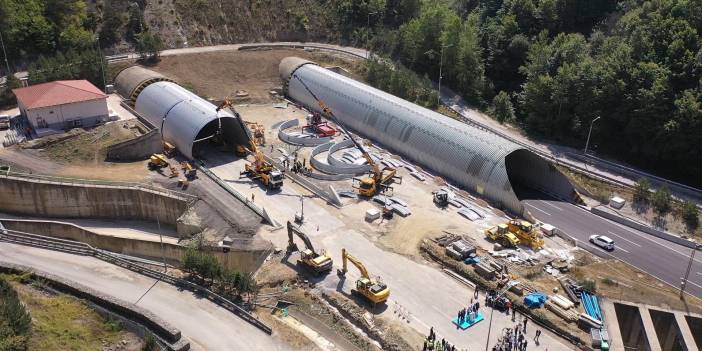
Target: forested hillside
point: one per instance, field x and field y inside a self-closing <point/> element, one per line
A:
<point x="548" y="66"/>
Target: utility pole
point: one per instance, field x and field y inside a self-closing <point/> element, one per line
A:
<point x="587" y="143"/>
<point x="487" y="341"/>
<point x="101" y="58"/>
<point x="368" y="52"/>
<point x="441" y="64"/>
<point x="4" y="53"/>
<point x="683" y="281"/>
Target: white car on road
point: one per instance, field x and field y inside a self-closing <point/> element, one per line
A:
<point x="602" y="241"/>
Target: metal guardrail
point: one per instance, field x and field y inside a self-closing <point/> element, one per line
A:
<point x="97" y="183"/>
<point x="80" y="248"/>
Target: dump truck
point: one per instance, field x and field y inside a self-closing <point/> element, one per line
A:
<point x="526" y="233"/>
<point x="158" y="161"/>
<point x="314" y="262"/>
<point x="501" y="234"/>
<point x="373" y="290"/>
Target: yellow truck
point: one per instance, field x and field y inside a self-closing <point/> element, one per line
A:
<point x="526" y="233"/>
<point x="501" y="235"/>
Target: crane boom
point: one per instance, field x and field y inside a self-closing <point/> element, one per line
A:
<point x="356" y="262"/>
<point x="329" y="113"/>
<point x="293" y="229"/>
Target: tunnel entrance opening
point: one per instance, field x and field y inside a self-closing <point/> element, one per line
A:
<point x="631" y="327"/>
<point x="532" y="177"/>
<point x="667" y="331"/>
<point x="222" y="132"/>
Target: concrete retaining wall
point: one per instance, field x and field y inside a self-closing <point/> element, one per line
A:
<point x="642" y="227"/>
<point x="161" y="328"/>
<point x="139" y="148"/>
<point x="247" y="260"/>
<point x="45" y="199"/>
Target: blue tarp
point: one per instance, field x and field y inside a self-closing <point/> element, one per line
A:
<point x="535" y="300"/>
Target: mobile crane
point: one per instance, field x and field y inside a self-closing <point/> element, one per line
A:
<point x="378" y="180"/>
<point x="259" y="169"/>
<point x="373" y="290"/>
<point x="316" y="263"/>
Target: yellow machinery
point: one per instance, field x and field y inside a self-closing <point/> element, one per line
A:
<point x="379" y="179"/>
<point x="168" y="149"/>
<point x="310" y="259"/>
<point x="188" y="169"/>
<point x="502" y="235"/>
<point x="258" y="131"/>
<point x="373" y="290"/>
<point x="526" y="233"/>
<point x="158" y="161"/>
<point x="259" y="169"/>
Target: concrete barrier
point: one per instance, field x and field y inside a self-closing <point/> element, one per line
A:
<point x="139" y="148"/>
<point x="54" y="198"/>
<point x="247" y="258"/>
<point x="161" y="328"/>
<point x="642" y="227"/>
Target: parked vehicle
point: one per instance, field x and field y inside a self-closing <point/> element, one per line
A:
<point x="4" y="121"/>
<point x="603" y="242"/>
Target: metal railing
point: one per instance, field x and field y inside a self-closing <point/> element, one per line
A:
<point x="46" y="179"/>
<point x="80" y="248"/>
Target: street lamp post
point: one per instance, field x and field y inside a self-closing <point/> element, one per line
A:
<point x="101" y="58"/>
<point x="4" y="53"/>
<point x="368" y="49"/>
<point x="587" y="143"/>
<point x="683" y="281"/>
<point x="441" y="64"/>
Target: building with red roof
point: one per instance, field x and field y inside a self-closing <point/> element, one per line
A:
<point x="62" y="104"/>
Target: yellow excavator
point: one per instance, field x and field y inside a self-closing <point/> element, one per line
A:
<point x="316" y="263"/>
<point x="259" y="169"/>
<point x="378" y="180"/>
<point x="373" y="290"/>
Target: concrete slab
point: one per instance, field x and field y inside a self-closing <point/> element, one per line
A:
<point x="649" y="329"/>
<point x="612" y="324"/>
<point x="685" y="332"/>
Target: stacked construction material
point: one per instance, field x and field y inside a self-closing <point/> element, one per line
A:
<point x="592" y="317"/>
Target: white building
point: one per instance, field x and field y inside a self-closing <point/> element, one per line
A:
<point x="62" y="105"/>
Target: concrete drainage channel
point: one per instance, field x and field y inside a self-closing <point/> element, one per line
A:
<point x="79" y="248"/>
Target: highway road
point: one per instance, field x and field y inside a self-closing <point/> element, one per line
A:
<point x="661" y="258"/>
<point x="205" y="324"/>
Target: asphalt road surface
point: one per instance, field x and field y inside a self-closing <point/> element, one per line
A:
<point x="205" y="324"/>
<point x="661" y="258"/>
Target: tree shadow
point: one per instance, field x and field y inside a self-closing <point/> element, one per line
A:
<point x="640" y="207"/>
<point x="660" y="222"/>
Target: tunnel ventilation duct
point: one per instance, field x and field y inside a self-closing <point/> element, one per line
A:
<point x="474" y="159"/>
<point x="185" y="119"/>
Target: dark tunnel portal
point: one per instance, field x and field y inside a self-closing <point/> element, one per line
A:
<point x="532" y="177"/>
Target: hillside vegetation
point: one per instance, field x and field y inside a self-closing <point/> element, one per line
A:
<point x="548" y="66"/>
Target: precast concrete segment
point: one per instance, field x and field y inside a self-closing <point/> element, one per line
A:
<point x="327" y="168"/>
<point x="472" y="158"/>
<point x="183" y="117"/>
<point x="298" y="140"/>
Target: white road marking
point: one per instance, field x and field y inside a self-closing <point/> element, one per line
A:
<point x="623" y="238"/>
<point x="695" y="284"/>
<point x="552" y="205"/>
<point x="657" y="243"/>
<point x="620" y="248"/>
<point x="538" y="209"/>
<point x="699" y="273"/>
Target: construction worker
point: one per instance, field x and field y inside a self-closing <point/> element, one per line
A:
<point x="538" y="334"/>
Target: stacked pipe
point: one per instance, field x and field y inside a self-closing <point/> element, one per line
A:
<point x="591" y="305"/>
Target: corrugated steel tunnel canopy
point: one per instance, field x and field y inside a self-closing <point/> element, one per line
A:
<point x="130" y="81"/>
<point x="185" y="119"/>
<point x="474" y="159"/>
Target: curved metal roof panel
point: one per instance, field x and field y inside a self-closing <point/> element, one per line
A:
<point x="473" y="158"/>
<point x="130" y="79"/>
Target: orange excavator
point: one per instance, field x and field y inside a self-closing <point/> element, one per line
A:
<point x="377" y="180"/>
<point x="259" y="169"/>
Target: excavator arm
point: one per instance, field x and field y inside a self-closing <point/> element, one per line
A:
<point x="293" y="229"/>
<point x="331" y="115"/>
<point x="356" y="262"/>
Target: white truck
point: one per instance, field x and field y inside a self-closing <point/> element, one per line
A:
<point x="4" y="121"/>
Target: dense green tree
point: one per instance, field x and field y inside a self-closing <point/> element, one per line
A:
<point x="149" y="45"/>
<point x="690" y="215"/>
<point x="662" y="200"/>
<point x="502" y="108"/>
<point x="642" y="194"/>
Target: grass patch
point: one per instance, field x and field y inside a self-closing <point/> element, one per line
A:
<point x="62" y="322"/>
<point x="88" y="146"/>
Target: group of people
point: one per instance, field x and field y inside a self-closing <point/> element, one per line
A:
<point x="431" y="343"/>
<point x="469" y="313"/>
<point x="515" y="339"/>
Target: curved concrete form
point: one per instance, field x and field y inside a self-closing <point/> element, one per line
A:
<point x="297" y="139"/>
<point x="327" y="168"/>
<point x="185" y="119"/>
<point x="476" y="160"/>
<point x="339" y="164"/>
<point x="132" y="80"/>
